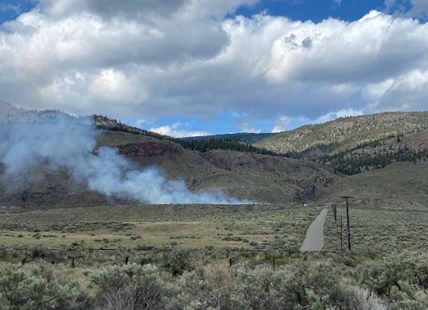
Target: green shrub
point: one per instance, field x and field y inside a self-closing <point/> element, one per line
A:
<point x="363" y="299"/>
<point x="30" y="287"/>
<point x="255" y="288"/>
<point x="298" y="286"/>
<point x="130" y="286"/>
<point x="181" y="260"/>
<point x="4" y="252"/>
<point x="40" y="251"/>
<point x="402" y="280"/>
<point x="381" y="276"/>
<point x="314" y="285"/>
<point x="207" y="287"/>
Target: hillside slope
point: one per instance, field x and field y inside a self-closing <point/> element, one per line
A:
<point x="246" y="137"/>
<point x="250" y="177"/>
<point x="241" y="175"/>
<point x="320" y="154"/>
<point x="398" y="186"/>
<point x="346" y="133"/>
<point x="358" y="144"/>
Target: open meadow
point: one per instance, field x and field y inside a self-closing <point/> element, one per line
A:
<point x="378" y="231"/>
<point x="132" y="230"/>
<point x="210" y="257"/>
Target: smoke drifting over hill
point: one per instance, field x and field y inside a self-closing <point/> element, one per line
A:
<point x="68" y="143"/>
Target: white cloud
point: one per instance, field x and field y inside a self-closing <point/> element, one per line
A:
<point x="132" y="59"/>
<point x="419" y="9"/>
<point x="176" y="131"/>
<point x="281" y="124"/>
<point x="147" y="9"/>
<point x="247" y="126"/>
<point x="402" y="93"/>
<point x="140" y="123"/>
<point x="389" y="4"/>
<point x="347" y="52"/>
<point x="333" y="115"/>
<point x="113" y="85"/>
<point x="5" y="7"/>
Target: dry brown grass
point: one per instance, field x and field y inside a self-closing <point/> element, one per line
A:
<point x="379" y="231"/>
<point x="254" y="228"/>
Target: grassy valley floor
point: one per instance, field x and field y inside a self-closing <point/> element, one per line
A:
<point x="256" y="229"/>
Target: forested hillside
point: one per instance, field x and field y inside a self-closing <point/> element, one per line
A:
<point x="201" y="144"/>
<point x="303" y="167"/>
<point x="357" y="144"/>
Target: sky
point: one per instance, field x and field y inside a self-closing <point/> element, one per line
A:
<point x="198" y="67"/>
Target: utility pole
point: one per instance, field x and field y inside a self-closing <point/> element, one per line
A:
<point x="347" y="219"/>
<point x="335" y="213"/>
<point x="335" y="218"/>
<point x="341" y="239"/>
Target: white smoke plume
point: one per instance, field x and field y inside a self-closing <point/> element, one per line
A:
<point x="68" y="143"/>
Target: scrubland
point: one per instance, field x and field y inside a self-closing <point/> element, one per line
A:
<point x="210" y="257"/>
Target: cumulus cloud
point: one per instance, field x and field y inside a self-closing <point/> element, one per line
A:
<point x="109" y="9"/>
<point x="176" y="130"/>
<point x="333" y="115"/>
<point x="408" y="8"/>
<point x="147" y="9"/>
<point x="339" y="52"/>
<point x="131" y="59"/>
<point x="246" y="126"/>
<point x="419" y="9"/>
<point x="6" y="7"/>
<point x="281" y="124"/>
<point x="402" y="93"/>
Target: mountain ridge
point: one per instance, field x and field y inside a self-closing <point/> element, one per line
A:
<point x="347" y="132"/>
<point x="246" y="176"/>
<point x="313" y="175"/>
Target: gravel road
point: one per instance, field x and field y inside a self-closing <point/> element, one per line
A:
<point x="314" y="240"/>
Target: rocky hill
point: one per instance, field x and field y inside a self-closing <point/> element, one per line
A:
<point x="346" y="133"/>
<point x="311" y="173"/>
<point x="400" y="186"/>
<point x="241" y="175"/>
<point x="357" y="144"/>
<point x="201" y="171"/>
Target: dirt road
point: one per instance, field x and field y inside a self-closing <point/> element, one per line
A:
<point x="314" y="240"/>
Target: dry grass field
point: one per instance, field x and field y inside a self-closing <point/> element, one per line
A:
<point x="179" y="256"/>
<point x="399" y="186"/>
<point x="379" y="231"/>
<point x="252" y="230"/>
<point x="241" y="229"/>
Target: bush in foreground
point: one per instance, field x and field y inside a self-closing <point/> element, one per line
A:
<point x="132" y="287"/>
<point x="401" y="280"/>
<point x="398" y="282"/>
<point x="37" y="287"/>
<point x="304" y="285"/>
